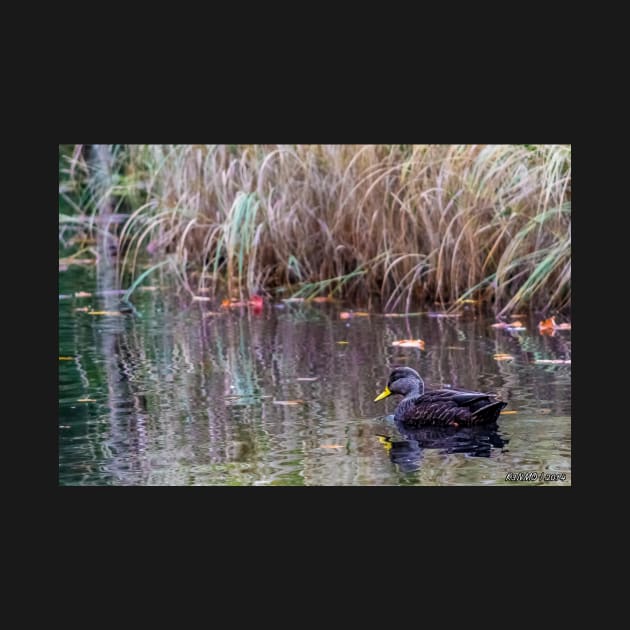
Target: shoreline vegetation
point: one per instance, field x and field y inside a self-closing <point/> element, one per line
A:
<point x="400" y="225"/>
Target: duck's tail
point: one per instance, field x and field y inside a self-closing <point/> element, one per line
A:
<point x="489" y="413"/>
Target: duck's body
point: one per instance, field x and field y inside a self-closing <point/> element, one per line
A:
<point x="443" y="407"/>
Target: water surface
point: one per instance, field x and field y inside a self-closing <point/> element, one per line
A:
<point x="192" y="394"/>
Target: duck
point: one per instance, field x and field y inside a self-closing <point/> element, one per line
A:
<point x="438" y="407"/>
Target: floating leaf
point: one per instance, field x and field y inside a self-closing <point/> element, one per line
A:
<point x="288" y="402"/>
<point x="507" y="413"/>
<point x="343" y="343"/>
<point x="553" y="361"/>
<point x="66" y="358"/>
<point x="86" y="400"/>
<point x="547" y="325"/>
<point x="331" y="446"/>
<point x="82" y="294"/>
<point x="104" y="313"/>
<point x="409" y="343"/>
<point x="501" y="356"/>
<point x="229" y="303"/>
<point x="349" y="314"/>
<point x="307" y="378"/>
<point x="517" y="325"/>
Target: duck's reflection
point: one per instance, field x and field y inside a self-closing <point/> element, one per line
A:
<point x="475" y="441"/>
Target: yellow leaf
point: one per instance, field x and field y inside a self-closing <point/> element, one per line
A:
<point x="343" y="343"/>
<point x="66" y="358"/>
<point x="503" y="357"/>
<point x="507" y="413"/>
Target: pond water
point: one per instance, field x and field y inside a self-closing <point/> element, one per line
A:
<point x="189" y="393"/>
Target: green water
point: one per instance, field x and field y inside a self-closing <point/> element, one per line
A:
<point x="181" y="396"/>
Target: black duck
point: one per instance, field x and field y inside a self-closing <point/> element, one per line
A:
<point x="443" y="407"/>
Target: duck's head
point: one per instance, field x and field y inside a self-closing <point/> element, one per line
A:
<point x="403" y="381"/>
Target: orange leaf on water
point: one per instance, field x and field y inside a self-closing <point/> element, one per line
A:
<point x="507" y="413"/>
<point x="547" y="325"/>
<point x="409" y="343"/>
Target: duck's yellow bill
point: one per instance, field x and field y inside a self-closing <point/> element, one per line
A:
<point x="384" y="394"/>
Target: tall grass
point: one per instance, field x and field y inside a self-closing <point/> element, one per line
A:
<point x="401" y="223"/>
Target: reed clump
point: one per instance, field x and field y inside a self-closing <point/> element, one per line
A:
<point x="402" y="223"/>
